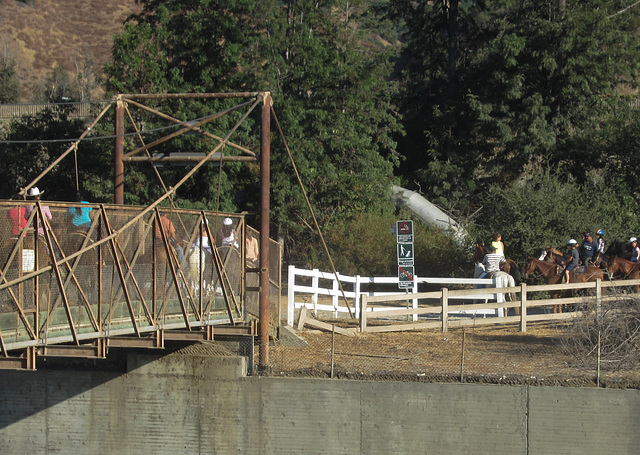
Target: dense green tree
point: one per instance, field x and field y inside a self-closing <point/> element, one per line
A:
<point x="32" y="144"/>
<point x="335" y="104"/>
<point x="498" y="89"/>
<point x="327" y="80"/>
<point x="9" y="83"/>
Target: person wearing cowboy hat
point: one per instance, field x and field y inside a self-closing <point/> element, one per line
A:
<point x="34" y="195"/>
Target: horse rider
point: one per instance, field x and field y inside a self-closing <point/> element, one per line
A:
<point x="600" y="241"/>
<point x="497" y="243"/>
<point x="588" y="249"/>
<point x="492" y="261"/>
<point x="575" y="258"/>
<point x="635" y="249"/>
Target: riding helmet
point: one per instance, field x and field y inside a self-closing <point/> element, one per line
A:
<point x="572" y="242"/>
<point x="600" y="232"/>
<point x="633" y="239"/>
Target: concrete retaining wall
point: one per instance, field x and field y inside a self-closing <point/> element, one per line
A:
<point x="195" y="405"/>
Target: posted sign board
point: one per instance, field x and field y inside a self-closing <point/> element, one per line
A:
<point x="405" y="253"/>
<point x="405" y="276"/>
<point x="404" y="231"/>
<point x="406" y="272"/>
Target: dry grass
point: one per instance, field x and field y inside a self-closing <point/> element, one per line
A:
<point x="41" y="34"/>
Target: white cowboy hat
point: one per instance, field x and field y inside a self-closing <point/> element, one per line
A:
<point x="35" y="191"/>
<point x="227" y="222"/>
<point x="633" y="239"/>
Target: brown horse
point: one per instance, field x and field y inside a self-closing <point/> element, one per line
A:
<point x="553" y="274"/>
<point x="555" y="256"/>
<point x="623" y="268"/>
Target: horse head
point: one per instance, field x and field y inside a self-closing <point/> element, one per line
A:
<point x="529" y="267"/>
<point x="479" y="252"/>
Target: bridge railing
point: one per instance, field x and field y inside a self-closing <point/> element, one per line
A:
<point x="120" y="273"/>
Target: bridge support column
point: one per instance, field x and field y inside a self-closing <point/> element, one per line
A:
<point x="118" y="176"/>
<point x="265" y="172"/>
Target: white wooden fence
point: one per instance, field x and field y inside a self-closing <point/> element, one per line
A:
<point x="305" y="286"/>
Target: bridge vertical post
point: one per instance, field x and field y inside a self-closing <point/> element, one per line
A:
<point x="118" y="187"/>
<point x="265" y="183"/>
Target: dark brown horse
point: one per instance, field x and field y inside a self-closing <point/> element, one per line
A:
<point x="554" y="274"/>
<point x="622" y="268"/>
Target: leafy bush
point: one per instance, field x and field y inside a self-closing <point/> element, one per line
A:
<point x="366" y="246"/>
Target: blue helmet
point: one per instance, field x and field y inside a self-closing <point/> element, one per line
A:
<point x="600" y="232"/>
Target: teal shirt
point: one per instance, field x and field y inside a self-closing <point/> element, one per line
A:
<point x="80" y="215"/>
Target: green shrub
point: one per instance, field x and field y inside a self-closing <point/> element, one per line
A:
<point x="366" y="246"/>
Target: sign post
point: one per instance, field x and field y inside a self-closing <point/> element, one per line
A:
<point x="406" y="271"/>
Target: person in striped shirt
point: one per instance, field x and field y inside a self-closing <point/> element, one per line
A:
<point x="492" y="261"/>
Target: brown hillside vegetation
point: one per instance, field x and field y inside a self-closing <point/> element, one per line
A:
<point x="40" y="34"/>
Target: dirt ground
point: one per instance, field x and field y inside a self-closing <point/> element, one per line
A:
<point x="540" y="356"/>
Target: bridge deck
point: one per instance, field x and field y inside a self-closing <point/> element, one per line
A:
<point x="127" y="276"/>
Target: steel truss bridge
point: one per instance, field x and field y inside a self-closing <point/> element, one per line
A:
<point x="127" y="280"/>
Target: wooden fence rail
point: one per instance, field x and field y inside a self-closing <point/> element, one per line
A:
<point x="437" y="315"/>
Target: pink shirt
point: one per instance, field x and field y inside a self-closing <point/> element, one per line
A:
<point x="45" y="211"/>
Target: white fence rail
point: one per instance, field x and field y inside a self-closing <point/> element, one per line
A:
<point x="306" y="286"/>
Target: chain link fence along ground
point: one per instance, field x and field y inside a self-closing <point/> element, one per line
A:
<point x="541" y="356"/>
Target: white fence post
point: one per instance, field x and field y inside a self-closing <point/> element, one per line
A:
<point x="414" y="290"/>
<point x="356" y="297"/>
<point x="291" y="295"/>
<point x="314" y="284"/>
<point x="336" y="290"/>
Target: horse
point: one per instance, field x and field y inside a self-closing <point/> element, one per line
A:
<point x="623" y="268"/>
<point x="502" y="279"/>
<point x="619" y="249"/>
<point x="552" y="255"/>
<point x="553" y="274"/>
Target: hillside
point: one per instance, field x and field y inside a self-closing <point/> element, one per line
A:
<point x="40" y="34"/>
